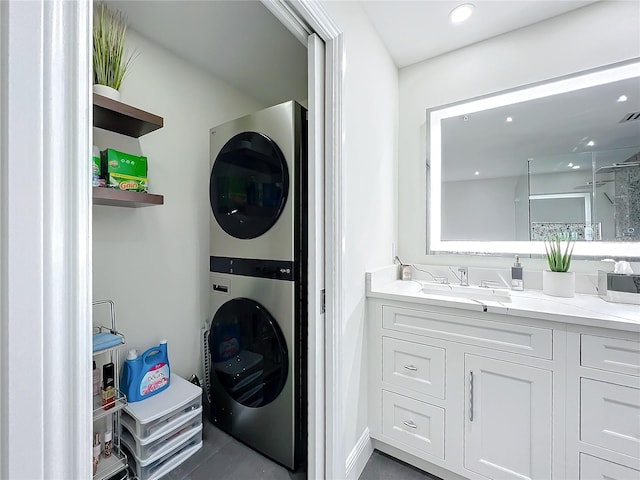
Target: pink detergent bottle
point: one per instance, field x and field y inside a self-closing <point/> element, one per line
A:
<point x="147" y="374"/>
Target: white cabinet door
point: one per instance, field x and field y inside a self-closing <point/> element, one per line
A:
<point x="508" y="427"/>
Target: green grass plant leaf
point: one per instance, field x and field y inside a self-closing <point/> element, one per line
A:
<point x="559" y="260"/>
<point x="110" y="61"/>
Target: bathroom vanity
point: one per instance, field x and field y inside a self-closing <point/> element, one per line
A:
<point x="530" y="387"/>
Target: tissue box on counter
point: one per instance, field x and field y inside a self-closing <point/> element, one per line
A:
<point x="619" y="287"/>
<point x="124" y="171"/>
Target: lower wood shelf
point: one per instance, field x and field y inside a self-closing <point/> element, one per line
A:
<point x="123" y="198"/>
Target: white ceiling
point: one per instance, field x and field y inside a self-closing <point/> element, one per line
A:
<point x="417" y="30"/>
<point x="242" y="43"/>
<point x="239" y="42"/>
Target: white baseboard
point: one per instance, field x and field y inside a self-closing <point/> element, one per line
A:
<point x="359" y="456"/>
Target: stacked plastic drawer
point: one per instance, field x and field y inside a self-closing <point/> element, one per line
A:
<point x="162" y="431"/>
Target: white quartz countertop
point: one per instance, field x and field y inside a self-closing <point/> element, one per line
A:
<point x="582" y="309"/>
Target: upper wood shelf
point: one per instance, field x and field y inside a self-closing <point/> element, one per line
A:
<point x="122" y="118"/>
<point x="123" y="198"/>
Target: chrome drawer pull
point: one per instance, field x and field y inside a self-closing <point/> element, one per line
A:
<point x="410" y="424"/>
<point x="413" y="368"/>
<point x="471" y="396"/>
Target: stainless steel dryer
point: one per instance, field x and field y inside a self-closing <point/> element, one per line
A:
<point x="255" y="346"/>
<point x="255" y="162"/>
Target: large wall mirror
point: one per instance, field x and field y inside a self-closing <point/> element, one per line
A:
<point x="507" y="171"/>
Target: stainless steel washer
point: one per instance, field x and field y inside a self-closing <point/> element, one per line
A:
<point x="256" y="374"/>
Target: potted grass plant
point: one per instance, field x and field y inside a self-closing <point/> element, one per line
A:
<point x="558" y="281"/>
<point x="110" y="60"/>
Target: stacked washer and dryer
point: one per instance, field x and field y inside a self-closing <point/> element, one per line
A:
<point x="255" y="341"/>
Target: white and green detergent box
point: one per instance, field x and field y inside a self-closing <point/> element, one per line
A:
<point x="124" y="171"/>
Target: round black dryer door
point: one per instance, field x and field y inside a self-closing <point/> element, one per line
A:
<point x="249" y="185"/>
<point x="248" y="352"/>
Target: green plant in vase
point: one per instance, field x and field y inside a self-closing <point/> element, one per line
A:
<point x="110" y="60"/>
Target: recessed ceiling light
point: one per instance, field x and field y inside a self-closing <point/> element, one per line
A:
<point x="576" y="167"/>
<point x="477" y="173"/>
<point x="570" y="165"/>
<point x="509" y="119"/>
<point x="590" y="143"/>
<point x="461" y="13"/>
<point x="622" y="98"/>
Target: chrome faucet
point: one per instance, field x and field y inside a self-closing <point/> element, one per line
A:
<point x="464" y="276"/>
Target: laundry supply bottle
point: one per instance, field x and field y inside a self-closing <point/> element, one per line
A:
<point x="147" y="374"/>
<point x="95" y="167"/>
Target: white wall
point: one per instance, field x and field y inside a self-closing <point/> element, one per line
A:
<point x="595" y="35"/>
<point x="370" y="126"/>
<point x="153" y="261"/>
<point x="491" y="218"/>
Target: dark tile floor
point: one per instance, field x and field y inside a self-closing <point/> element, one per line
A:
<point x="224" y="458"/>
<point x="383" y="467"/>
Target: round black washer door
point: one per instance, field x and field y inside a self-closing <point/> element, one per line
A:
<point x="249" y="185"/>
<point x="248" y="352"/>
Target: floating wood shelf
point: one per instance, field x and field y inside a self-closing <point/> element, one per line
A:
<point x="122" y="198"/>
<point x="122" y="118"/>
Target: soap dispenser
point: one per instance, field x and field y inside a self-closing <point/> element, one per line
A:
<point x="517" y="283"/>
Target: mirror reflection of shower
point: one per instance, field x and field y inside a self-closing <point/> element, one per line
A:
<point x="588" y="196"/>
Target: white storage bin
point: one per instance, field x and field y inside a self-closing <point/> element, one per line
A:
<point x="154" y="415"/>
<point x="145" y="448"/>
<point x="165" y="460"/>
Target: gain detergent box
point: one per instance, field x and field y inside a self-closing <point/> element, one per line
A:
<point x="124" y="171"/>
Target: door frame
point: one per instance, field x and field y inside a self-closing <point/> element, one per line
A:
<point x="46" y="244"/>
<point x="45" y="239"/>
<point x="326" y="456"/>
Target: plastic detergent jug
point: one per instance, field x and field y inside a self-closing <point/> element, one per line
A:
<point x="147" y="374"/>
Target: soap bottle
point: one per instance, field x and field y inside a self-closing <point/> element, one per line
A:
<point x="96" y="451"/>
<point x="108" y="386"/>
<point x="96" y="380"/>
<point x="108" y="443"/>
<point x="517" y="283"/>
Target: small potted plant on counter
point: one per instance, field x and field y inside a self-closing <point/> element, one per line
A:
<point x="558" y="281"/>
<point x="110" y="61"/>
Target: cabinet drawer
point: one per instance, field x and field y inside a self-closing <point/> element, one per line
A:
<point x="413" y="423"/>
<point x="526" y="340"/>
<point x="612" y="354"/>
<point x="593" y="468"/>
<point x="414" y="366"/>
<point x="610" y="416"/>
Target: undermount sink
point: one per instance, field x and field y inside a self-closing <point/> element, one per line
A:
<point x="472" y="292"/>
